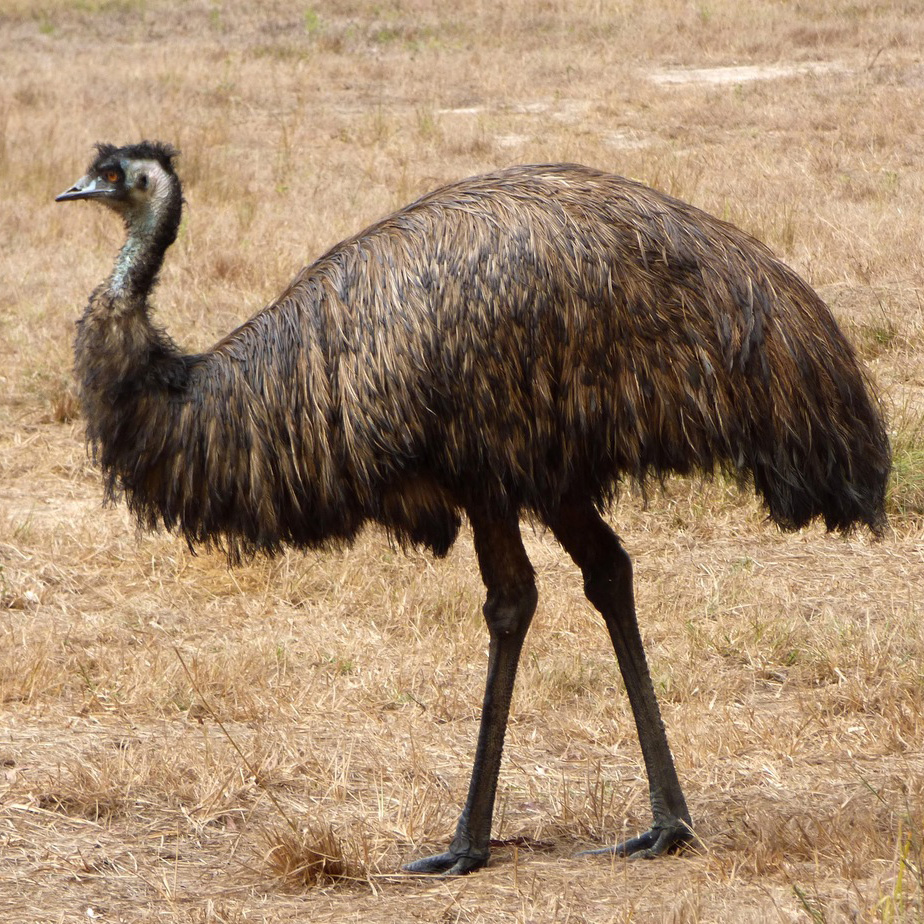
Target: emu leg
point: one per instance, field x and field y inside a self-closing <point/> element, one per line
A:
<point x="508" y="611"/>
<point x="607" y="572"/>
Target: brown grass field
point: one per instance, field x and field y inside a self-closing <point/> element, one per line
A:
<point x="184" y="742"/>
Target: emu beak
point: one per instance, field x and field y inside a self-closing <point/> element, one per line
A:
<point x="87" y="187"/>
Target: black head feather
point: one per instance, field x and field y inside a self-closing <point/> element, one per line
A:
<point x="145" y="150"/>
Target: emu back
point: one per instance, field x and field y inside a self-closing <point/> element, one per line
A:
<point x="513" y="337"/>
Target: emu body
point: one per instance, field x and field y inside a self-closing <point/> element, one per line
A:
<point x="513" y="344"/>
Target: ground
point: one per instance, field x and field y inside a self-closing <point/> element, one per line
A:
<point x="181" y="741"/>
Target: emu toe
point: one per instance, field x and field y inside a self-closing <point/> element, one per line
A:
<point x="447" y="864"/>
<point x="659" y="840"/>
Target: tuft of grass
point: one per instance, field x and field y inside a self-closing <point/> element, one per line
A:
<point x="93" y="789"/>
<point x="64" y="404"/>
<point x="878" y="336"/>
<point x="905" y="497"/>
<point x="903" y="898"/>
<point x="311" y="21"/>
<point x="310" y="858"/>
<point x="811" y="906"/>
<point x="903" y="902"/>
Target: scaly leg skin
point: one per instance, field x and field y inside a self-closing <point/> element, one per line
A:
<point x="652" y="843"/>
<point x="607" y="572"/>
<point x="508" y="611"/>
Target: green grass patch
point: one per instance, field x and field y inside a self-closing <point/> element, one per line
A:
<point x="905" y="497"/>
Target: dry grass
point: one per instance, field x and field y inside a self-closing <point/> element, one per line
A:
<point x="182" y="742"/>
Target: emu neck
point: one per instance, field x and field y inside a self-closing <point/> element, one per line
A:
<point x="118" y="354"/>
<point x="150" y="232"/>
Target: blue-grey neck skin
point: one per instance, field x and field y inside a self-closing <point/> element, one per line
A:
<point x="152" y="218"/>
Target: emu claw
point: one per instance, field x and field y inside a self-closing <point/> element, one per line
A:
<point x="446" y="864"/>
<point x="659" y="840"/>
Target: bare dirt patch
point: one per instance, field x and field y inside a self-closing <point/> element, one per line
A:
<point x="742" y="73"/>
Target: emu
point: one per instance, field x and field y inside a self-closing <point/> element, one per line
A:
<point x="515" y="344"/>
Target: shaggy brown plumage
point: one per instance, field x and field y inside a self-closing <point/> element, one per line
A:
<point x="512" y="343"/>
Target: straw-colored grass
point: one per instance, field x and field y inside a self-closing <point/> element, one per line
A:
<point x="183" y="742"/>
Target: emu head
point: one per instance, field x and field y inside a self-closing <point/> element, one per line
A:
<point x="136" y="181"/>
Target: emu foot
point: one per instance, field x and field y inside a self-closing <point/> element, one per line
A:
<point x="447" y="864"/>
<point x="659" y="840"/>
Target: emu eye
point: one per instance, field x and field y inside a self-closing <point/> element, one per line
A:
<point x="111" y="176"/>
